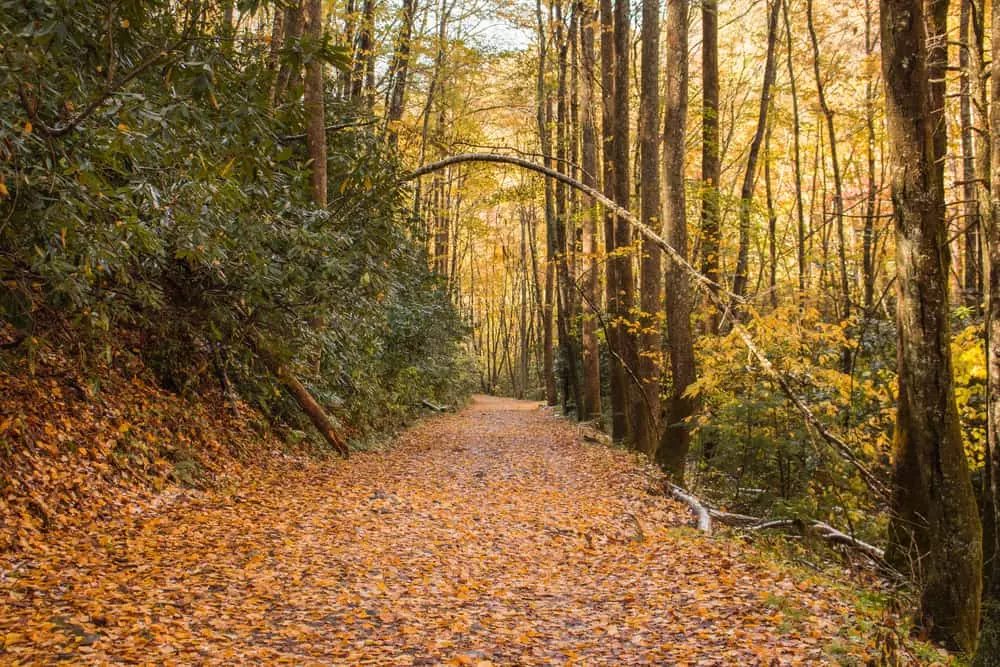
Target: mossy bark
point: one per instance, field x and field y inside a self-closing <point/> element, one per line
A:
<point x="935" y="530"/>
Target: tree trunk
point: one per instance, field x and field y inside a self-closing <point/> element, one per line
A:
<point x="675" y="440"/>
<point x="838" y="189"/>
<point x="398" y="73"/>
<point x="364" y="54"/>
<point x="591" y="408"/>
<point x="314" y="107"/>
<point x="934" y="528"/>
<point x="542" y="117"/>
<point x="622" y="261"/>
<point x="647" y="412"/>
<point x="294" y="23"/>
<point x="274" y="53"/>
<point x="971" y="221"/>
<point x="797" y="159"/>
<point x="868" y="266"/>
<point x="988" y="654"/>
<point x="750" y="175"/>
<point x="567" y="341"/>
<point x="711" y="165"/>
<point x="617" y="382"/>
<point x="772" y="223"/>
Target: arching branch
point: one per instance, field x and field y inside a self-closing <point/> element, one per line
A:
<point x="718" y="295"/>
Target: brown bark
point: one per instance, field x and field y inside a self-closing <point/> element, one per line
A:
<point x="313" y="410"/>
<point x="675" y="440"/>
<point x="838" y="188"/>
<point x="988" y="654"/>
<point x="646" y="415"/>
<point x="617" y="381"/>
<point x="274" y="52"/>
<point x="971" y="220"/>
<point x="772" y="223"/>
<point x="314" y="107"/>
<point x="567" y="341"/>
<point x="317" y="415"/>
<point x="294" y="23"/>
<point x="797" y="158"/>
<point x="621" y="309"/>
<point x="750" y="175"/>
<point x="398" y="72"/>
<point x="364" y="55"/>
<point x="711" y="165"/>
<point x="868" y="267"/>
<point x="543" y="114"/>
<point x="591" y="408"/>
<point x="934" y="529"/>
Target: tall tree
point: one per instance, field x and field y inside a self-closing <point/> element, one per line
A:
<point x="617" y="381"/>
<point x="796" y="157"/>
<point x="934" y="526"/>
<point x="989" y="640"/>
<point x="314" y="103"/>
<point x="647" y="412"/>
<point x="591" y="408"/>
<point x="711" y="165"/>
<point x="838" y="185"/>
<point x="622" y="260"/>
<point x="543" y="115"/>
<point x="398" y="72"/>
<point x="750" y="175"/>
<point x="675" y="441"/>
<point x="567" y="339"/>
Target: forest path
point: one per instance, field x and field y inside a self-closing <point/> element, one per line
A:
<point x="491" y="536"/>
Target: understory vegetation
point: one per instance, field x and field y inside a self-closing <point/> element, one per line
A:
<point x="154" y="196"/>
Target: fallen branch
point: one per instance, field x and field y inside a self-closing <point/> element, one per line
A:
<point x="700" y="511"/>
<point x="825" y="531"/>
<point x="713" y="290"/>
<point x="822" y="529"/>
<point x="431" y="406"/>
<point x="317" y="415"/>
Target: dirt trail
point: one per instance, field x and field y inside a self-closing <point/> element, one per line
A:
<point x="489" y="536"/>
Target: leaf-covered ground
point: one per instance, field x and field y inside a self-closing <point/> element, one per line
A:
<point x="492" y="536"/>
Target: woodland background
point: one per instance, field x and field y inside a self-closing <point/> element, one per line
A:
<point x="218" y="197"/>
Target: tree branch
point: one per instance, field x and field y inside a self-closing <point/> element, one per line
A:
<point x="713" y="290"/>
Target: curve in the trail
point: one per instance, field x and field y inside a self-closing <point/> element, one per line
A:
<point x="490" y="536"/>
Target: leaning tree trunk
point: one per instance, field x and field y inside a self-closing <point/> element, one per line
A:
<point x="934" y="529"/>
<point x="315" y="110"/>
<point x="675" y="440"/>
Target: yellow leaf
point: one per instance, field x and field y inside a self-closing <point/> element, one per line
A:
<point x="228" y="168"/>
<point x="27" y="127"/>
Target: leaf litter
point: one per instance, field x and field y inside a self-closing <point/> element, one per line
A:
<point x="492" y="536"/>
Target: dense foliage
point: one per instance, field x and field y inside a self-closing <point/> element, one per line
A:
<point x="148" y="184"/>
